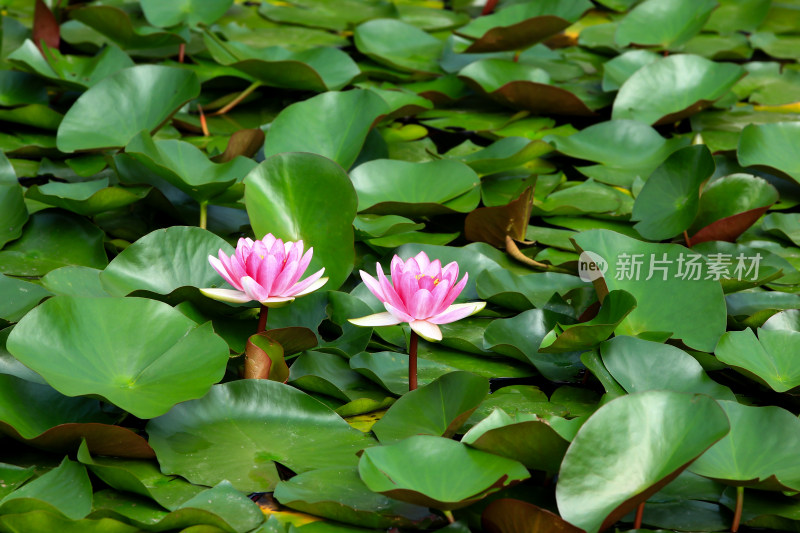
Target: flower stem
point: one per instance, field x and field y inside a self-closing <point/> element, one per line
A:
<point x="262" y="319"/>
<point x="181" y="52"/>
<point x="203" y="215"/>
<point x="686" y="239"/>
<point x="737" y="514"/>
<point x="412" y="361"/>
<point x="637" y="522"/>
<point x="236" y="101"/>
<point x="450" y="517"/>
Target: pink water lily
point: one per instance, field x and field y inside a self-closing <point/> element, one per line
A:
<point x="267" y="271"/>
<point x="421" y="293"/>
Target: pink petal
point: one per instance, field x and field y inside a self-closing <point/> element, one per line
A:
<point x="243" y="247"/>
<point x="301" y="286"/>
<point x="457" y="312"/>
<point x="389" y="292"/>
<point x="376" y="320"/>
<point x="412" y="267"/>
<point x="439" y="294"/>
<point x="396" y="267"/>
<point x="253" y="289"/>
<point x="217" y="265"/>
<point x="450" y="273"/>
<point x="454" y="292"/>
<point x="286" y="277"/>
<point x="426" y="282"/>
<point x="423" y="261"/>
<point x="314" y="286"/>
<point x="268" y="240"/>
<point x="227" y="295"/>
<point x="267" y="274"/>
<point x="434" y="270"/>
<point x="426" y="330"/>
<point x="302" y="265"/>
<point x="232" y="265"/>
<point x="400" y="315"/>
<point x="373" y="285"/>
<point x="421" y="305"/>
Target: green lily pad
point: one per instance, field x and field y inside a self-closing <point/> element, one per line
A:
<point x="579" y="337"/>
<point x="315" y="69"/>
<point x="322" y="14"/>
<point x="65" y="490"/>
<point x="439" y="408"/>
<point x="639" y="365"/>
<point x="669" y="201"/>
<point x="756" y="451"/>
<point x="673" y="300"/>
<point x="288" y="194"/>
<point x="84" y="331"/>
<point x="521" y="336"/>
<point x="52" y="239"/>
<point x="736" y="15"/>
<point x="390" y="370"/>
<point x="140" y="477"/>
<point x="673" y="88"/>
<point x="603" y="476"/>
<point x="769" y="356"/>
<point x="518" y="26"/>
<point x="617" y="70"/>
<point x="191" y="12"/>
<point x="230" y="434"/>
<point x="523" y="437"/>
<point x="507" y="515"/>
<point x="785" y="225"/>
<point x="78" y="72"/>
<point x="765" y="145"/>
<point x="19" y="297"/>
<point x="159" y="90"/>
<point x="527" y="87"/>
<point x="436" y="472"/>
<point x="584" y="197"/>
<point x="370" y="226"/>
<point x="516" y="400"/>
<point x="86" y="198"/>
<point x="330" y="374"/>
<point x="339" y="494"/>
<point x="667" y="23"/>
<point x="404" y="188"/>
<point x="47" y="521"/>
<point x="13" y="213"/>
<point x="165" y="260"/>
<point x="131" y="33"/>
<point x="20" y="88"/>
<point x="181" y="165"/>
<point x="13" y="476"/>
<point x="316" y="125"/>
<point x="521" y="293"/>
<point x="399" y="45"/>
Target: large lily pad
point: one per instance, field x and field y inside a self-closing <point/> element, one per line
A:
<point x="332" y="124"/>
<point x="770" y="356"/>
<point x="239" y="430"/>
<point x="406" y="188"/>
<point x="639" y="365"/>
<point x="756" y="453"/>
<point x="673" y="88"/>
<point x="158" y="90"/>
<point x="13" y="213"/>
<point x="604" y="475"/>
<point x="676" y="299"/>
<point x="339" y="494"/>
<point x="192" y="12"/>
<point x="668" y="203"/>
<point x="770" y="145"/>
<point x="518" y="26"/>
<point x="180" y="361"/>
<point x="86" y="198"/>
<point x="66" y="490"/>
<point x="439" y="408"/>
<point x="399" y="45"/>
<point x="436" y="472"/>
<point x="288" y="194"/>
<point x="165" y="260"/>
<point x="667" y="23"/>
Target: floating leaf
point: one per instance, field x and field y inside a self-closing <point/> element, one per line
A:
<point x="521" y="25"/>
<point x="316" y="125"/>
<point x="65" y="490"/>
<point x="436" y="472"/>
<point x="411" y="189"/>
<point x="288" y="194"/>
<point x="13" y="213"/>
<point x="180" y="361"/>
<point x="339" y="494"/>
<point x="130" y="33"/>
<point x="439" y="408"/>
<point x="399" y="45"/>
<point x="676" y="299"/>
<point x="673" y="88"/>
<point x="192" y="12"/>
<point x="86" y="198"/>
<point x="667" y="23"/>
<point x="52" y="239"/>
<point x="770" y="357"/>
<point x="766" y="145"/>
<point x="158" y="90"/>
<point x="322" y="14"/>
<point x="230" y="434"/>
<point x="603" y="476"/>
<point x="639" y="365"/>
<point x="669" y="201"/>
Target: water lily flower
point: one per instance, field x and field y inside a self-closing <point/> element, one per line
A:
<point x="267" y="271"/>
<point x="421" y="293"/>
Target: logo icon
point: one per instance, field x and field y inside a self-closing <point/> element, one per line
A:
<point x="591" y="266"/>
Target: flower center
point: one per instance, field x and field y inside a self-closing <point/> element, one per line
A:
<point x="435" y="280"/>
